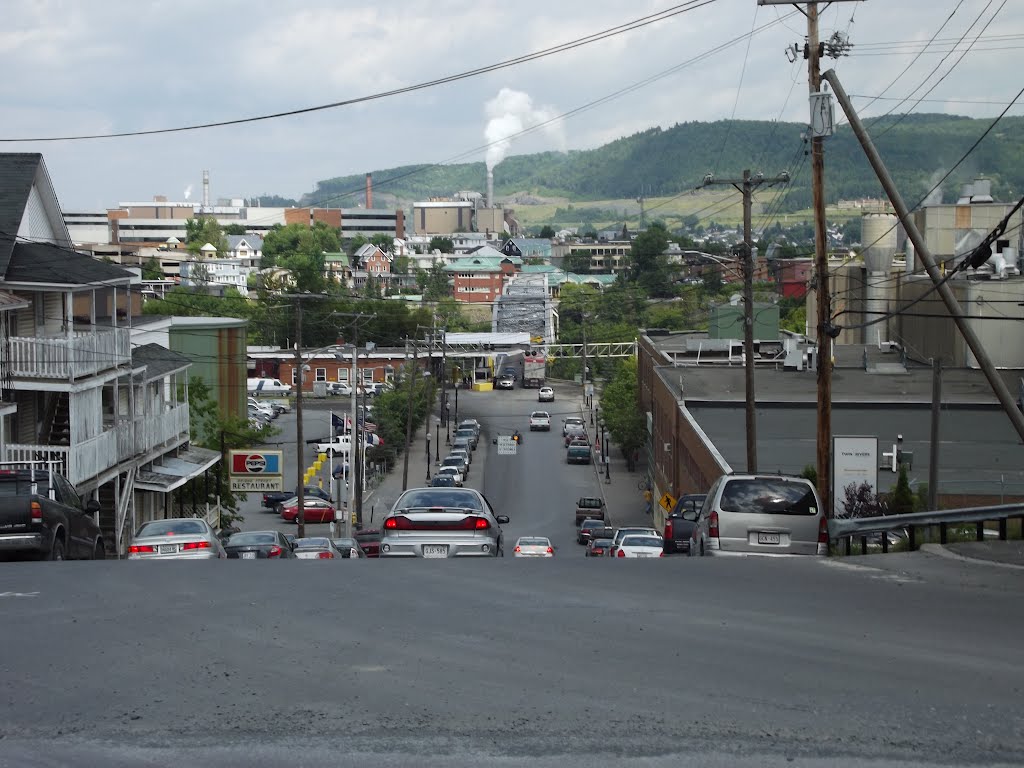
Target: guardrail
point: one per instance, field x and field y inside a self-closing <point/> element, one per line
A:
<point x="849" y="528"/>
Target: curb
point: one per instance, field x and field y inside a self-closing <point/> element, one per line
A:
<point x="940" y="551"/>
<point x="598" y="476"/>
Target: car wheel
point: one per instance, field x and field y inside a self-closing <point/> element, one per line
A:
<point x="99" y="552"/>
<point x="57" y="549"/>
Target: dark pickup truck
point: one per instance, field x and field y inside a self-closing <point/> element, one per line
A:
<point x="592" y="507"/>
<point x="42" y="516"/>
<point x="681" y="521"/>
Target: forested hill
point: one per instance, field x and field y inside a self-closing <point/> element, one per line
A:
<point x="918" y="150"/>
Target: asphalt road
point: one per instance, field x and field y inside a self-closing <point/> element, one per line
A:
<point x="898" y="660"/>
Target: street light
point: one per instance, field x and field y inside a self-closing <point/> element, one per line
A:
<point x="605" y="453"/>
<point x="428" y="455"/>
<point x="437" y="441"/>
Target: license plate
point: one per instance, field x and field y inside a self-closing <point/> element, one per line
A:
<point x="769" y="538"/>
<point x="168" y="549"/>
<point x="435" y="551"/>
<point x="248" y="555"/>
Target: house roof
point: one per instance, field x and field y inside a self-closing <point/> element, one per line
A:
<point x="17" y="174"/>
<point x="54" y="265"/>
<point x="10" y="301"/>
<point x="255" y="242"/>
<point x="159" y="361"/>
<point x="481" y="263"/>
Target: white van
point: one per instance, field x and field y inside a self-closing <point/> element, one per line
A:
<point x="268" y="387"/>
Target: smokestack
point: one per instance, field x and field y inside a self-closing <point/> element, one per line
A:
<point x="206" y="189"/>
<point x="369" y="190"/>
<point x="490" y="188"/>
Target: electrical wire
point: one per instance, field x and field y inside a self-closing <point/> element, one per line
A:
<point x="739" y="89"/>
<point x="638" y="23"/>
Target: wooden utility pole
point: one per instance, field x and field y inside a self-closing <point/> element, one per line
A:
<point x="299" y="444"/>
<point x="933" y="456"/>
<point x="746" y="187"/>
<point x="411" y="384"/>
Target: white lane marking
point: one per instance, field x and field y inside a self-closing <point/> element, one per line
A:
<point x="19" y="594"/>
<point x="871" y="572"/>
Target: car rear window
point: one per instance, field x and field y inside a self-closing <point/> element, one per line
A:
<point x="437" y="497"/>
<point x="590" y="503"/>
<point x="641" y="541"/>
<point x="171" y="528"/>
<point x="252" y="538"/>
<point x="312" y="542"/>
<point x="768" y="496"/>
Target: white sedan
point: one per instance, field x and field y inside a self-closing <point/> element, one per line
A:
<point x="640" y="546"/>
<point x="545" y="395"/>
<point x="533" y="546"/>
<point x="540" y="420"/>
<point x="453" y="472"/>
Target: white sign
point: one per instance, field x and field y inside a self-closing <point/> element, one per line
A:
<point x="242" y="484"/>
<point x="506" y="446"/>
<point x="854" y="460"/>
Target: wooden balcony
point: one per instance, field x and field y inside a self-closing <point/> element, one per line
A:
<point x="58" y="357"/>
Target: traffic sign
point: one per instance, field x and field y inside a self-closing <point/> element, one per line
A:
<point x="256" y="484"/>
<point x="506" y="446"/>
<point x="249" y="462"/>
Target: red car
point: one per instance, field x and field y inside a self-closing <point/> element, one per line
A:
<point x="314" y="511"/>
<point x="369" y="541"/>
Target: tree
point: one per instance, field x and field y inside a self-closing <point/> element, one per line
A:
<point x="199" y="232"/>
<point x="383" y="241"/>
<point x="433" y="282"/>
<point x="372" y="288"/>
<point x="860" y="501"/>
<point x="620" y="408"/>
<point x="400" y="265"/>
<point x="547" y="231"/>
<point x="234" y="229"/>
<point x="504" y="236"/>
<point x="577" y="262"/>
<point x="442" y="244"/>
<point x="300" y="250"/>
<point x="809" y="472"/>
<point x="901" y="500"/>
<point x="649" y="268"/>
<point x="151" y="269"/>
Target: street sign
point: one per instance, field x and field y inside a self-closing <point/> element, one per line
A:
<point x="506" y="446"/>
<point x="248" y="462"/>
<point x="256" y="484"/>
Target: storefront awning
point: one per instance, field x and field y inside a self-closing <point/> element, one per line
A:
<point x="172" y="472"/>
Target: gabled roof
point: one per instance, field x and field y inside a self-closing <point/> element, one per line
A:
<point x="53" y="265"/>
<point x="481" y="264"/>
<point x="159" y="361"/>
<point x="10" y="301"/>
<point x="255" y="242"/>
<point x="17" y="174"/>
<point x="370" y="250"/>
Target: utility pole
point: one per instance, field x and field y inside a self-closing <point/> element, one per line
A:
<point x="933" y="457"/>
<point x="299" y="444"/>
<point x="584" y="379"/>
<point x="410" y="383"/>
<point x="746" y="187"/>
<point x="999" y="387"/>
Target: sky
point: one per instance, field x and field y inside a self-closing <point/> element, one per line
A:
<point x="78" y="68"/>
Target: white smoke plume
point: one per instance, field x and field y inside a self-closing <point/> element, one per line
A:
<point x="188" y="191"/>
<point x="935" y="196"/>
<point x="508" y="114"/>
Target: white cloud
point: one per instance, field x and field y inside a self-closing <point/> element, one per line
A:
<point x="85" y="68"/>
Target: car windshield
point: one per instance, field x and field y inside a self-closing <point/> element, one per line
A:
<point x="172" y="528"/>
<point x="432" y="497"/>
<point x="641" y="541"/>
<point x="244" y="539"/>
<point x="312" y="542"/>
<point x="769" y="496"/>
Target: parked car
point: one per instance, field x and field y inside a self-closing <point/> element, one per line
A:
<point x="540" y="420"/>
<point x="469" y="434"/>
<point x="620" y="533"/>
<point x="258" y="545"/>
<point x="473" y="424"/>
<point x="349" y="548"/>
<point x="339" y="389"/>
<point x="42" y="516"/>
<point x="457" y="461"/>
<point x="545" y="395"/>
<point x="571" y="421"/>
<point x="314" y="511"/>
<point x="463" y="451"/>
<point x="681" y="521"/>
<point x="578" y="453"/>
<point x="316" y="548"/>
<point x="574" y="431"/>
<point x="638" y="545"/>
<point x="455" y="473"/>
<point x="266" y="409"/>
<point x="339" y="444"/>
<point x="268" y="387"/>
<point x="273" y="498"/>
<point x="182" y="538"/>
<point x="587" y="529"/>
<point x="533" y="546"/>
<point x="767" y="514"/>
<point x="591" y="507"/>
<point x="444" y="481"/>
<point x="598" y="547"/>
<point x="369" y="541"/>
<point x="505" y="382"/>
<point x="442" y="523"/>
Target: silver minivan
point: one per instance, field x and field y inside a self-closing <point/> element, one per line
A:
<point x="761" y="514"/>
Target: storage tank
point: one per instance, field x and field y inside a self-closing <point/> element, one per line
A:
<point x="878" y="238"/>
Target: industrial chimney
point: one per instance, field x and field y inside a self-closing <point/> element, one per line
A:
<point x="206" y="190"/>
<point x="490" y="188"/>
<point x="369" y="190"/>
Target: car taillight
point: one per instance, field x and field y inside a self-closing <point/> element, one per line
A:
<point x="325" y="556"/>
<point x="668" y="529"/>
<point x="481" y="524"/>
<point x="620" y="553"/>
<point x="823" y="531"/>
<point x="275" y="551"/>
<point x="37" y="512"/>
<point x="551" y="551"/>
<point x="713" y="525"/>
<point x="518" y="549"/>
<point x="661" y="554"/>
<point x="471" y="523"/>
<point x="196" y="545"/>
<point x="141" y="549"/>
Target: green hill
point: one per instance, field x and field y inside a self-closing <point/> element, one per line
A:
<point x="918" y="149"/>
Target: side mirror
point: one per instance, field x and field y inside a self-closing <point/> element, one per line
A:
<point x="495" y="441"/>
<point x="502" y="519"/>
<point x="92" y="506"/>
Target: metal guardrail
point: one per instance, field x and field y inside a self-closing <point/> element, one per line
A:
<point x="850" y="528"/>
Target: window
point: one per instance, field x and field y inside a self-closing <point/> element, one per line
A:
<point x="295" y="378"/>
<point x="343" y="375"/>
<point x="321" y="374"/>
<point x="367" y="375"/>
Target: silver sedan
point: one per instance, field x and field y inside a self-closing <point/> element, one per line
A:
<point x="442" y="523"/>
<point x="185" y="538"/>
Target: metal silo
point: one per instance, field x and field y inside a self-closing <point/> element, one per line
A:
<point x="878" y="238"/>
